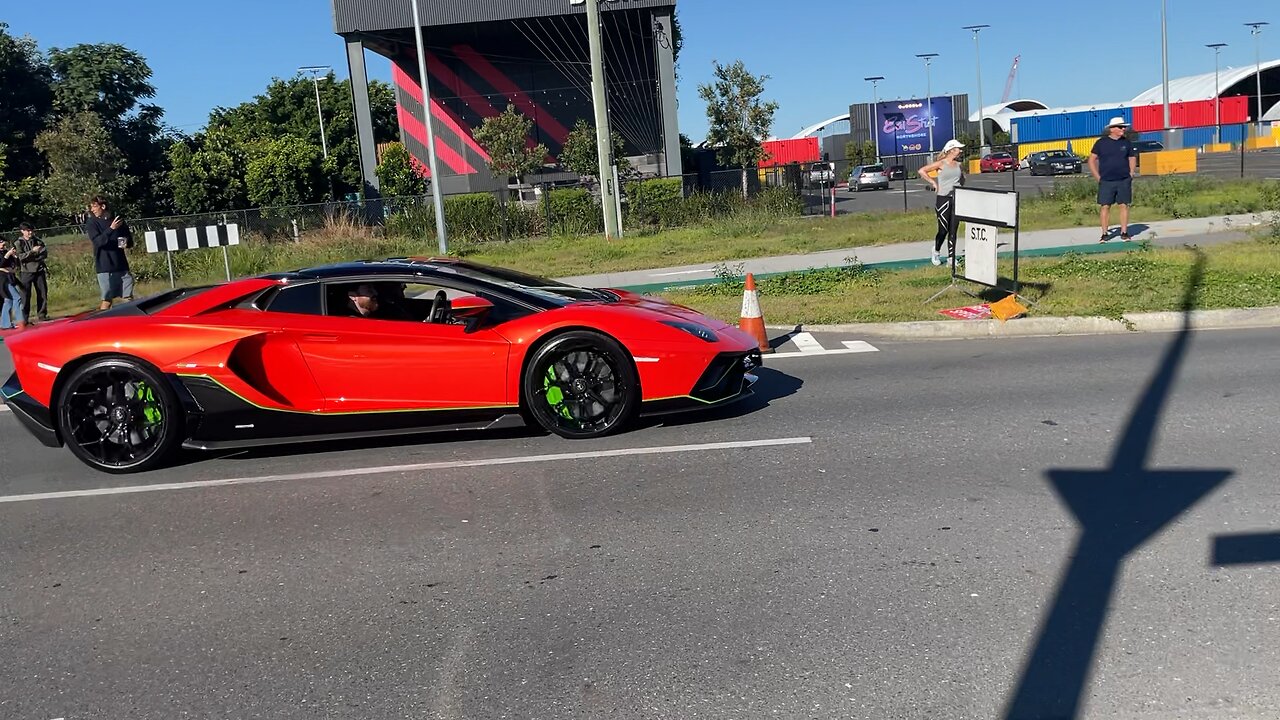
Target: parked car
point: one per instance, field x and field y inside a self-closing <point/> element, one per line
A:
<point x="897" y="172"/>
<point x="868" y="177"/>
<point x="1146" y="146"/>
<point x="997" y="162"/>
<point x="821" y="174"/>
<point x="1054" y="162"/>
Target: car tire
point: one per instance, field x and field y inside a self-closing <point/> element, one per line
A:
<point x="581" y="385"/>
<point x="119" y="415"/>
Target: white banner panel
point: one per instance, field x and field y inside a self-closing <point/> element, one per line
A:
<point x="993" y="207"/>
<point x="981" y="243"/>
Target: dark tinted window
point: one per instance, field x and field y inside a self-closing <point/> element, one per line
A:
<point x="301" y="299"/>
<point x="873" y="169"/>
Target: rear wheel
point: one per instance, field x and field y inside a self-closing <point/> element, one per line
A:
<point x="581" y="385"/>
<point x="118" y="415"/>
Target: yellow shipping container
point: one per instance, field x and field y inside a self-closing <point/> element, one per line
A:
<point x="1079" y="146"/>
<point x="975" y="167"/>
<point x="1265" y="141"/>
<point x="1167" y="162"/>
<point x="1217" y="147"/>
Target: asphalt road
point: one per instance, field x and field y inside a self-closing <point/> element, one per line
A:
<point x="894" y="555"/>
<point x="1264" y="164"/>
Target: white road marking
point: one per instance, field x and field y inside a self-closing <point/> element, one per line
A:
<point x="681" y="272"/>
<point x="419" y="467"/>
<point x="807" y="343"/>
<point x="4" y="408"/>
<point x="860" y="346"/>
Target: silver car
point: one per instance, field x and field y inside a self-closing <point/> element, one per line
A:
<point x="868" y="177"/>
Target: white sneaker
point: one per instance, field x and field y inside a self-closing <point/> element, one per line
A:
<point x="936" y="259"/>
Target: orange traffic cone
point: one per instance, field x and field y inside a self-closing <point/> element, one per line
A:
<point x="752" y="321"/>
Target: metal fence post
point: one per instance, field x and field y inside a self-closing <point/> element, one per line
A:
<point x="546" y="205"/>
<point x="168" y="256"/>
<point x="226" y="262"/>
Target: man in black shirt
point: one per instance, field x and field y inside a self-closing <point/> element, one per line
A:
<point x="110" y="237"/>
<point x="1113" y="162"/>
<point x="33" y="272"/>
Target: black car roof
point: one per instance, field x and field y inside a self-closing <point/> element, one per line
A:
<point x="374" y="268"/>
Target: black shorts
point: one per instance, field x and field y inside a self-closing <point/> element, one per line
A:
<point x="1115" y="192"/>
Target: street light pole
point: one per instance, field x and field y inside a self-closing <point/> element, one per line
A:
<point x="928" y="79"/>
<point x="1217" y="101"/>
<point x="609" y="191"/>
<point x="432" y="163"/>
<point x="982" y="132"/>
<point x="315" y="79"/>
<point x="875" y="101"/>
<point x="1257" y="51"/>
<point x="1164" y="60"/>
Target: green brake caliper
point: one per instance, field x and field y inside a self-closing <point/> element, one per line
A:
<point x="555" y="396"/>
<point x="150" y="407"/>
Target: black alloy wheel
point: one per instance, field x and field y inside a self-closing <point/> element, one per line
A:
<point x="581" y="385"/>
<point x="118" y="415"/>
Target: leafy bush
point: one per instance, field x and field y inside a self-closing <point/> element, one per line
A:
<point x="656" y="203"/>
<point x="574" y="212"/>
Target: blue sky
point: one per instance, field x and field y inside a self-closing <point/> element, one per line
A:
<point x="206" y="54"/>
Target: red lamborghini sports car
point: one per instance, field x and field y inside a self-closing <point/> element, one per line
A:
<point x="364" y="349"/>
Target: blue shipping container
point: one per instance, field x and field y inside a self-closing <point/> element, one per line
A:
<point x="1195" y="137"/>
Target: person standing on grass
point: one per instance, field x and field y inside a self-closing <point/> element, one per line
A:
<point x="1113" y="162"/>
<point x="110" y="237"/>
<point x="33" y="273"/>
<point x="950" y="176"/>
<point x="9" y="288"/>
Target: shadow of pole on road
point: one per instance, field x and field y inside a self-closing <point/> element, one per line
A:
<point x="1118" y="509"/>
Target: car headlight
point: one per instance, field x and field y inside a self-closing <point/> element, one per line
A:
<point x="694" y="329"/>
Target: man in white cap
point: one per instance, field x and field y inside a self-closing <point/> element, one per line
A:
<point x="1112" y="162"/>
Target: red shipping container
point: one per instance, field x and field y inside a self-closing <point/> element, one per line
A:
<point x="1235" y="110"/>
<point x="1189" y="114"/>
<point x="785" y="152"/>
<point x="1149" y="117"/>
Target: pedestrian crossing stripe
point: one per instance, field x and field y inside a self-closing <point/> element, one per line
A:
<point x="192" y="238"/>
<point x="810" y="347"/>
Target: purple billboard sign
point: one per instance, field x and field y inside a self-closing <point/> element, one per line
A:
<point x="902" y="126"/>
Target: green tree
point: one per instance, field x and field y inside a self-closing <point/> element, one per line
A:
<point x="114" y="83"/>
<point x="506" y="139"/>
<point x="83" y="161"/>
<point x="860" y="153"/>
<point x="283" y="171"/>
<point x="19" y="199"/>
<point x="208" y="173"/>
<point x="579" y="153"/>
<point x="738" y="120"/>
<point x="399" y="174"/>
<point x="288" y="106"/>
<point x="25" y="101"/>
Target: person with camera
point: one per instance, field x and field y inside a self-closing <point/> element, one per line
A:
<point x="33" y="272"/>
<point x="110" y="236"/>
<point x="11" y="310"/>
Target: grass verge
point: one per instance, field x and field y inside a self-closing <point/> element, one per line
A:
<point x="751" y="233"/>
<point x="1242" y="274"/>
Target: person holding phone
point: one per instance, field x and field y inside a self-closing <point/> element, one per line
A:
<point x="110" y="236"/>
<point x="11" y="312"/>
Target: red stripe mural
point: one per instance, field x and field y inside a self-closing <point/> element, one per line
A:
<point x="505" y="85"/>
<point x="441" y="113"/>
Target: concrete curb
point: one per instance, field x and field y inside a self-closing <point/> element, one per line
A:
<point x="1053" y="326"/>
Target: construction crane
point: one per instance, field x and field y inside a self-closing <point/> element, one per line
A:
<point x="1008" y="85"/>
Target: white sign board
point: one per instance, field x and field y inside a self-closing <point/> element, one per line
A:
<point x="981" y="244"/>
<point x="1000" y="208"/>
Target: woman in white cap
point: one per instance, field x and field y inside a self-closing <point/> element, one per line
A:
<point x="950" y="175"/>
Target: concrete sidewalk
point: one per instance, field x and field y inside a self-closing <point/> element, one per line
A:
<point x="1200" y="231"/>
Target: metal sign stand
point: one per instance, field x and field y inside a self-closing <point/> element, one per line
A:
<point x="985" y="213"/>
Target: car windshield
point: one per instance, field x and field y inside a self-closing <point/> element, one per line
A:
<point x="1058" y="154"/>
<point x="552" y="290"/>
<point x="873" y="169"/>
<point x="1001" y="156"/>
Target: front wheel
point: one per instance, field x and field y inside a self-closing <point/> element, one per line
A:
<point x="581" y="385"/>
<point x="118" y="415"/>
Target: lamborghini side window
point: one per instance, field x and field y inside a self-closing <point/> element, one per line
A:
<point x="305" y="299"/>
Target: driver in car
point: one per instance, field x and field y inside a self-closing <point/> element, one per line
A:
<point x="366" y="302"/>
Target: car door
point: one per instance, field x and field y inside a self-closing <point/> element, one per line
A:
<point x="363" y="364"/>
